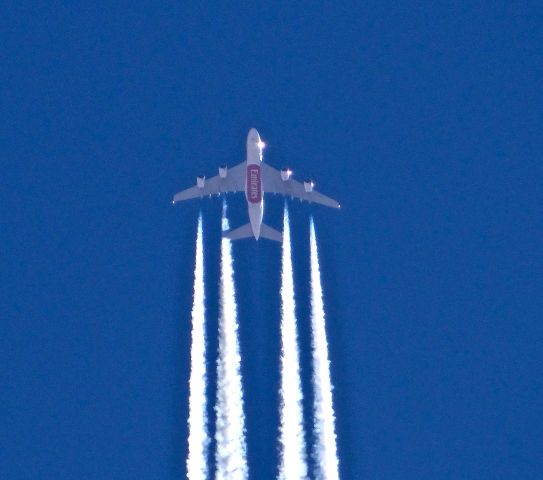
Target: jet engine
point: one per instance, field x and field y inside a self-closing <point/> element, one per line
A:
<point x="285" y="173"/>
<point x="308" y="186"/>
<point x="223" y="169"/>
<point x="200" y="181"/>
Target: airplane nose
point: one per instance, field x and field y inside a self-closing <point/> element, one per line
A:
<point x="253" y="135"/>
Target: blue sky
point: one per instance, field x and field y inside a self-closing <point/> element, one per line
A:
<point x="423" y="120"/>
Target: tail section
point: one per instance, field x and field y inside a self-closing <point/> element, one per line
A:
<point x="247" y="232"/>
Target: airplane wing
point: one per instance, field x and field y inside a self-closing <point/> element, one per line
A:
<point x="233" y="182"/>
<point x="272" y="182"/>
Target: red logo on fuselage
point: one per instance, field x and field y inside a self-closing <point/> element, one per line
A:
<point x="254" y="187"/>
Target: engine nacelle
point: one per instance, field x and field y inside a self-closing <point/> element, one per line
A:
<point x="308" y="186"/>
<point x="285" y="174"/>
<point x="200" y="181"/>
<point x="223" y="169"/>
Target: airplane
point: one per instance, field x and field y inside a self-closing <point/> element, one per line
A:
<point x="254" y="177"/>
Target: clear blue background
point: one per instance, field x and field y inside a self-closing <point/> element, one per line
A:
<point x="422" y="118"/>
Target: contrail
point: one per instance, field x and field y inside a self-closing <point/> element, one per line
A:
<point x="293" y="464"/>
<point x="230" y="432"/>
<point x="325" y="449"/>
<point x="198" y="436"/>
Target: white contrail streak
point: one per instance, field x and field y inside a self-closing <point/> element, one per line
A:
<point x="325" y="449"/>
<point x="230" y="433"/>
<point x="198" y="437"/>
<point x="293" y="464"/>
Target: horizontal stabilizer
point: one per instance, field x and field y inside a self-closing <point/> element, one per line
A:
<point x="239" y="233"/>
<point x="247" y="232"/>
<point x="270" y="233"/>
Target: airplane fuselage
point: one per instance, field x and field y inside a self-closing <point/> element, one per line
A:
<point x="253" y="184"/>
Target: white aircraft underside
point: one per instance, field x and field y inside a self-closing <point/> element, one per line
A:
<point x="254" y="177"/>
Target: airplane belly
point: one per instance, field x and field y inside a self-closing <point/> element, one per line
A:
<point x="256" y="212"/>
